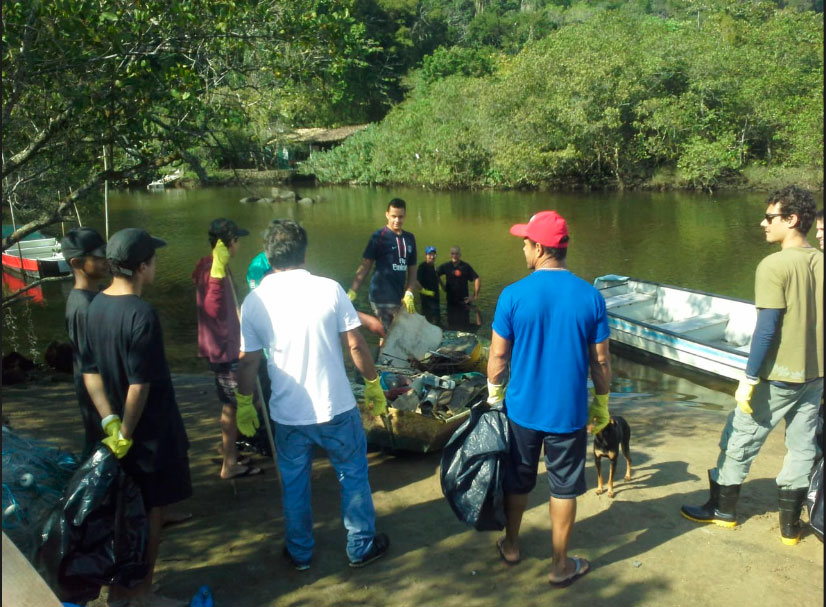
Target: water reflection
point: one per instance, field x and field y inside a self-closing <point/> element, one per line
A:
<point x="706" y="243"/>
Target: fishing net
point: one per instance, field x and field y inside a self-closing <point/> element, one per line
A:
<point x="34" y="476"/>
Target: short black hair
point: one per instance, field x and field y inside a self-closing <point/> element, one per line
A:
<point x="397" y="203"/>
<point x="819" y="215"/>
<point x="124" y="272"/>
<point x="558" y="253"/>
<point x="795" y="201"/>
<point x="285" y="244"/>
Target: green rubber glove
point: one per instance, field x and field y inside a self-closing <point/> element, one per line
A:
<point x="428" y="292"/>
<point x="220" y="258"/>
<point x="408" y="302"/>
<point x="246" y="417"/>
<point x="744" y="392"/>
<point x="117" y="443"/>
<point x="598" y="413"/>
<point x="496" y="393"/>
<point x="374" y="398"/>
<point x="351" y="294"/>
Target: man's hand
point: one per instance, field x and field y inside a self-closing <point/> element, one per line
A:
<point x="408" y="302"/>
<point x="374" y="398"/>
<point x="427" y="292"/>
<point x="496" y="393"/>
<point x="744" y="392"/>
<point x="220" y="258"/>
<point x="598" y="416"/>
<point x="246" y="417"/>
<point x="117" y="443"/>
<point x="351" y="295"/>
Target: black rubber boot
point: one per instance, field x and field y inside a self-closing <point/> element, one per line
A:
<point x="790" y="502"/>
<point x="720" y="507"/>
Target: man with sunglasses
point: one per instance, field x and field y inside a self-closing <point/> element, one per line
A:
<point x="784" y="372"/>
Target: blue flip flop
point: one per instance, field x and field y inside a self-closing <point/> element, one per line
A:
<point x="578" y="573"/>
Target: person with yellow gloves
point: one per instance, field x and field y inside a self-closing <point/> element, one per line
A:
<point x="428" y="279"/>
<point x="393" y="252"/>
<point x="126" y="374"/>
<point x="783" y="379"/>
<point x="549" y="329"/>
<point x="301" y="321"/>
<point x="219" y="335"/>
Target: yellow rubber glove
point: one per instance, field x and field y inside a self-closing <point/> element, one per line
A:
<point x="117" y="443"/>
<point x="351" y="294"/>
<point x="744" y="392"/>
<point x="428" y="292"/>
<point x="220" y="258"/>
<point x="598" y="413"/>
<point x="408" y="302"/>
<point x="496" y="393"/>
<point x="110" y="425"/>
<point x="246" y="417"/>
<point x="374" y="398"/>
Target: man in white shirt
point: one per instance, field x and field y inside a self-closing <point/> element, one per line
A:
<point x="301" y="321"/>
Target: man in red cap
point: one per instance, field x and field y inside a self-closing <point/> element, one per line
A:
<point x="548" y="329"/>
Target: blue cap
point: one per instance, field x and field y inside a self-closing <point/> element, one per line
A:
<point x="429" y="250"/>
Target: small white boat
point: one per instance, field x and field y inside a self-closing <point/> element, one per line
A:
<point x="160" y="184"/>
<point x="702" y="331"/>
<point x="37" y="258"/>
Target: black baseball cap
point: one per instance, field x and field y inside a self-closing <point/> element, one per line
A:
<point x="130" y="247"/>
<point x="226" y="229"/>
<point x="79" y="242"/>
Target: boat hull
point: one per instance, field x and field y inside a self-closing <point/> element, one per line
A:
<point x="704" y="332"/>
<point x="409" y="431"/>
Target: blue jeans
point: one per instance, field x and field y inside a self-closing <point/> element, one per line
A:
<point x="343" y="439"/>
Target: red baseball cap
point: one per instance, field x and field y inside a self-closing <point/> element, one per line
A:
<point x="548" y="228"/>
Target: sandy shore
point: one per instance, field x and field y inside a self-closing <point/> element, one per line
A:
<point x="643" y="553"/>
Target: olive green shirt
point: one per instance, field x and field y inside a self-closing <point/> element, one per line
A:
<point x="792" y="280"/>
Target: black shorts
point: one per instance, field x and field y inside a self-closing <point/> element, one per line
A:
<point x="226" y="381"/>
<point x="168" y="485"/>
<point x="564" y="461"/>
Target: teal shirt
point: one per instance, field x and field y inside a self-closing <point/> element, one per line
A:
<point x="258" y="268"/>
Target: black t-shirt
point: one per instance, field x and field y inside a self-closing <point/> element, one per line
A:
<point x="426" y="275"/>
<point x="393" y="254"/>
<point x="124" y="344"/>
<point x="77" y="306"/>
<point x="456" y="279"/>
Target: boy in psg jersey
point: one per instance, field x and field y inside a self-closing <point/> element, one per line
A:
<point x="393" y="251"/>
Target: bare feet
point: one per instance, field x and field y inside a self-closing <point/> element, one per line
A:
<point x="239" y="470"/>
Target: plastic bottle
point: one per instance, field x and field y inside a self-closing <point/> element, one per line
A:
<point x="202" y="598"/>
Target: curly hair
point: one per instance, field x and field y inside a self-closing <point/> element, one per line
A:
<point x="795" y="201"/>
<point x="285" y="244"/>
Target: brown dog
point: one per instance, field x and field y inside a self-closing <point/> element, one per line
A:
<point x="614" y="437"/>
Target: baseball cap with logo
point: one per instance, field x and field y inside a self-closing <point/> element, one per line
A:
<point x="130" y="247"/>
<point x="548" y="228"/>
<point x="226" y="229"/>
<point x="429" y="250"/>
<point x="80" y="242"/>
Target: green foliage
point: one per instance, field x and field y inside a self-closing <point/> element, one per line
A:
<point x="608" y="101"/>
<point x="151" y="81"/>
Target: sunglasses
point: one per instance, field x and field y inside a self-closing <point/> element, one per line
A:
<point x="770" y="216"/>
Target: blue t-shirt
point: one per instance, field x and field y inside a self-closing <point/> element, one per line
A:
<point x="393" y="254"/>
<point x="551" y="317"/>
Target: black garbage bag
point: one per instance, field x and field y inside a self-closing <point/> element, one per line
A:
<point x="473" y="468"/>
<point x="96" y="534"/>
<point x="814" y="501"/>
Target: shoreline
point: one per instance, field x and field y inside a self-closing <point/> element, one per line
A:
<point x="641" y="550"/>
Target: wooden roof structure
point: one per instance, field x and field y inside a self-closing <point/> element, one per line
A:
<point x="319" y="135"/>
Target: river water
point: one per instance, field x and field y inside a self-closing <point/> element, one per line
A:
<point x="709" y="243"/>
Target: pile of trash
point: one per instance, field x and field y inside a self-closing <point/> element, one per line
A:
<point x="441" y="397"/>
<point x="34" y="477"/>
